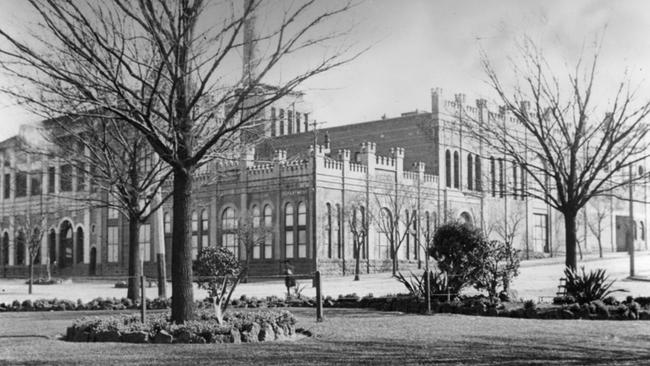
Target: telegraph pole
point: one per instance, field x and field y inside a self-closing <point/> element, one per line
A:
<point x="314" y="126"/>
<point x="631" y="224"/>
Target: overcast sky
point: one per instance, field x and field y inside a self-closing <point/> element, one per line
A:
<point x="419" y="45"/>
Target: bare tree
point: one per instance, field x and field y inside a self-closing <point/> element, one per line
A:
<point x="394" y="216"/>
<point x="35" y="227"/>
<point x="165" y="68"/>
<point x="357" y="223"/>
<point x="596" y="221"/>
<point x="251" y="234"/>
<point x="572" y="145"/>
<point x="116" y="167"/>
<point x="507" y="225"/>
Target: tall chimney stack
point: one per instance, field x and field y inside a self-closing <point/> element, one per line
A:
<point x="249" y="58"/>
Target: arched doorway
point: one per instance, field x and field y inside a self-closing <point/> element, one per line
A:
<point x="51" y="244"/>
<point x="65" y="244"/>
<point x="92" y="269"/>
<point x="466" y="219"/>
<point x="80" y="245"/>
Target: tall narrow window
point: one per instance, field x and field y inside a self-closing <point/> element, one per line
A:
<point x="502" y="189"/>
<point x="383" y="248"/>
<point x="302" y="230"/>
<point x="478" y="174"/>
<point x="66" y="178"/>
<point x="297" y="122"/>
<point x="167" y="223"/>
<point x="205" y="229"/>
<point x="448" y="168"/>
<point x="470" y="172"/>
<point x="288" y="231"/>
<point x="642" y="230"/>
<point x="257" y="245"/>
<point x="113" y="241"/>
<point x="7" y="187"/>
<point x="273" y="121"/>
<point x="306" y="122"/>
<point x="523" y="182"/>
<point x="5" y="248"/>
<point x="408" y="228"/>
<point x="289" y="122"/>
<point x="268" y="225"/>
<point x="144" y="238"/>
<point x="364" y="227"/>
<point x="414" y="234"/>
<point x="81" y="177"/>
<point x="51" y="178"/>
<point x="229" y="231"/>
<point x="195" y="235"/>
<point x="36" y="178"/>
<point x="328" y="231"/>
<point x="456" y="170"/>
<point x="20" y="248"/>
<point x="515" y="186"/>
<point x="281" y="119"/>
<point x="337" y="232"/>
<point x="21" y="184"/>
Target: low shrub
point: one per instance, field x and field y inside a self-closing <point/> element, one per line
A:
<point x="564" y="300"/>
<point x="644" y="301"/>
<point x="206" y="327"/>
<point x="586" y="287"/>
<point x="530" y="305"/>
<point x="416" y="285"/>
<point x="121" y="284"/>
<point x="45" y="281"/>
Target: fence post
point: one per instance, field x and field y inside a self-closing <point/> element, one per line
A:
<point x="143" y="301"/>
<point x="319" y="297"/>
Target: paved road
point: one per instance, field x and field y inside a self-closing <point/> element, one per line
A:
<point x="537" y="278"/>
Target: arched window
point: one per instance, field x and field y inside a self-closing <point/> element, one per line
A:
<point x="448" y="168"/>
<point x="642" y="230"/>
<point x="281" y="118"/>
<point x="5" y="248"/>
<point x="288" y="231"/>
<point x="493" y="180"/>
<point x="20" y="248"/>
<point x="273" y="121"/>
<point x="514" y="180"/>
<point x="328" y="231"/>
<point x="302" y="230"/>
<point x="477" y="174"/>
<point x="257" y="245"/>
<point x="229" y="231"/>
<point x="205" y="229"/>
<point x="167" y="223"/>
<point x="268" y="225"/>
<point x="456" y="170"/>
<point x="502" y="188"/>
<point x="195" y="235"/>
<point x="383" y="244"/>
<point x="80" y="245"/>
<point x="640" y="170"/>
<point x="470" y="172"/>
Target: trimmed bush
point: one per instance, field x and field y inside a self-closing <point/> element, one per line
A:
<point x="236" y="327"/>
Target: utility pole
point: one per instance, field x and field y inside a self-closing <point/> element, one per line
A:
<point x="314" y="126"/>
<point x="631" y="224"/>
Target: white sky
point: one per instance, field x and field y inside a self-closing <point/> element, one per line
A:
<point x="421" y="44"/>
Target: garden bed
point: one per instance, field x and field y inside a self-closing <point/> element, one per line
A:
<point x="237" y="327"/>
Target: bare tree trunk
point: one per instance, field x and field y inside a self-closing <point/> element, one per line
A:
<point x="135" y="264"/>
<point x="600" y="248"/>
<point x="357" y="262"/>
<point x="570" y="239"/>
<point x="182" y="290"/>
<point x="31" y="273"/>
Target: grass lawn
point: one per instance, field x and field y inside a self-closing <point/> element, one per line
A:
<point x="350" y="336"/>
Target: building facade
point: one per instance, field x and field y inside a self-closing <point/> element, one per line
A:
<point x="307" y="191"/>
